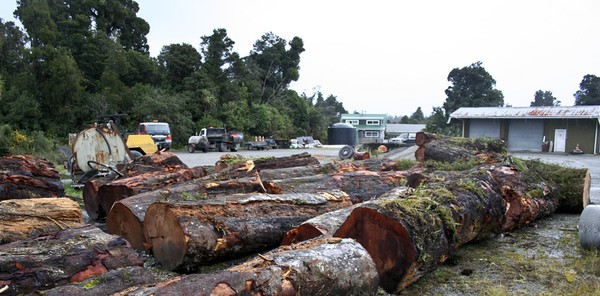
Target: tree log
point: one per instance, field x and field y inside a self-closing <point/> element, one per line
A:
<point x="99" y="196"/>
<point x="26" y="176"/>
<point x="296" y="160"/>
<point x="71" y="255"/>
<point x="126" y="218"/>
<point x="186" y="234"/>
<point x="24" y="218"/>
<point x="409" y="237"/>
<point x="108" y="283"/>
<point x="328" y="223"/>
<point x="320" y="267"/>
<point x="450" y="149"/>
<point x="359" y="185"/>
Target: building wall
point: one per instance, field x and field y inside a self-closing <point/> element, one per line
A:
<point x="579" y="131"/>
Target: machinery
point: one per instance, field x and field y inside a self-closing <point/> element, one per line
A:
<point x="215" y="138"/>
<point x="100" y="150"/>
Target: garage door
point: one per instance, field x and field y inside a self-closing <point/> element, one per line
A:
<point x="525" y="135"/>
<point x="484" y="128"/>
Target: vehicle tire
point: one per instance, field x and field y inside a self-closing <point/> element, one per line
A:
<point x="135" y="154"/>
<point x="205" y="149"/>
<point x="191" y="148"/>
<point x="346" y="152"/>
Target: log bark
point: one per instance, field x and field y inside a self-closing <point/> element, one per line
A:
<point x="24" y="218"/>
<point x="108" y="283"/>
<point x="450" y="149"/>
<point x="184" y="235"/>
<point x="126" y="217"/>
<point x="71" y="255"/>
<point x="409" y="237"/>
<point x="321" y="267"/>
<point x="99" y="196"/>
<point x="328" y="223"/>
<point x="296" y="160"/>
<point x="359" y="185"/>
<point x="26" y="176"/>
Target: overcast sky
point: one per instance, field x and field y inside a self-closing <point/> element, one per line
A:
<point x="394" y="56"/>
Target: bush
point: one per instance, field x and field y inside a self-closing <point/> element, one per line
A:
<point x="14" y="142"/>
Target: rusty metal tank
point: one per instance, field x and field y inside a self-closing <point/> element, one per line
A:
<point x="98" y="145"/>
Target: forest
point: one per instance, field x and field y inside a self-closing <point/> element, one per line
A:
<point x="74" y="61"/>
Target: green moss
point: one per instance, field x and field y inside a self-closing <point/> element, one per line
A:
<point x="94" y="282"/>
<point x="405" y="164"/>
<point x="193" y="196"/>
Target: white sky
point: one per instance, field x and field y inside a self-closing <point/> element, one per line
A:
<point x="394" y="56"/>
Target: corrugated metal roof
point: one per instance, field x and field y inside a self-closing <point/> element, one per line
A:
<point x="404" y="128"/>
<point x="592" y="112"/>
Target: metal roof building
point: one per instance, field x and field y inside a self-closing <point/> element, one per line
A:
<point x="556" y="129"/>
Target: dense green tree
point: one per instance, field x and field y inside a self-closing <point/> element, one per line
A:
<point x="438" y="123"/>
<point x="37" y="19"/>
<point x="179" y="61"/>
<point x="274" y="66"/>
<point x="589" y="91"/>
<point x="544" y="98"/>
<point x="330" y="108"/>
<point x="12" y="52"/>
<point x="472" y="86"/>
<point x="417" y="116"/>
<point x="405" y="119"/>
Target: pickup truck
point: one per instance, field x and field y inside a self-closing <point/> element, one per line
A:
<point x="215" y="138"/>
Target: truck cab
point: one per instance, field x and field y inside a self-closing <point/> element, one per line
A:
<point x="159" y="131"/>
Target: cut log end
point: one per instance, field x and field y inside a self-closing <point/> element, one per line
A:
<point x="123" y="222"/>
<point x="169" y="243"/>
<point x="392" y="258"/>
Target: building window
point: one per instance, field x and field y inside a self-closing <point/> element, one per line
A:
<point x="352" y="121"/>
<point x="371" y="134"/>
<point x="372" y="122"/>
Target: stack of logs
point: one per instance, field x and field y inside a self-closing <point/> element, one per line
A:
<point x="341" y="228"/>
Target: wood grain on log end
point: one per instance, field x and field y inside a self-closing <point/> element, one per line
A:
<point x="121" y="221"/>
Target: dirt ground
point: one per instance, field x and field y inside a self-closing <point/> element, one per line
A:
<point x="544" y="258"/>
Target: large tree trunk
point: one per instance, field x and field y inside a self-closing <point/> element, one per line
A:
<point x="409" y="237"/>
<point x="126" y="218"/>
<point x="108" y="283"/>
<point x="323" y="267"/>
<point x="359" y="185"/>
<point x="24" y="218"/>
<point x="186" y="234"/>
<point x="99" y="196"/>
<point x="450" y="149"/>
<point x="71" y="255"/>
<point x="328" y="223"/>
<point x="26" y="176"/>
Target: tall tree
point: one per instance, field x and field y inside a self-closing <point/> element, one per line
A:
<point x="589" y="91"/>
<point x="544" y="98"/>
<point x="179" y="61"/>
<point x="275" y="66"/>
<point x="417" y="116"/>
<point x="472" y="86"/>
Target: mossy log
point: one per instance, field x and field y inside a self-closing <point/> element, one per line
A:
<point x="184" y="235"/>
<point x="296" y="160"/>
<point x="328" y="223"/>
<point x="319" y="267"/>
<point x="126" y="218"/>
<point x="159" y="161"/>
<point x="411" y="236"/>
<point x="99" y="196"/>
<point x="450" y="149"/>
<point x="26" y="176"/>
<point x="71" y="255"/>
<point x="108" y="283"/>
<point x="24" y="218"/>
<point x="359" y="185"/>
